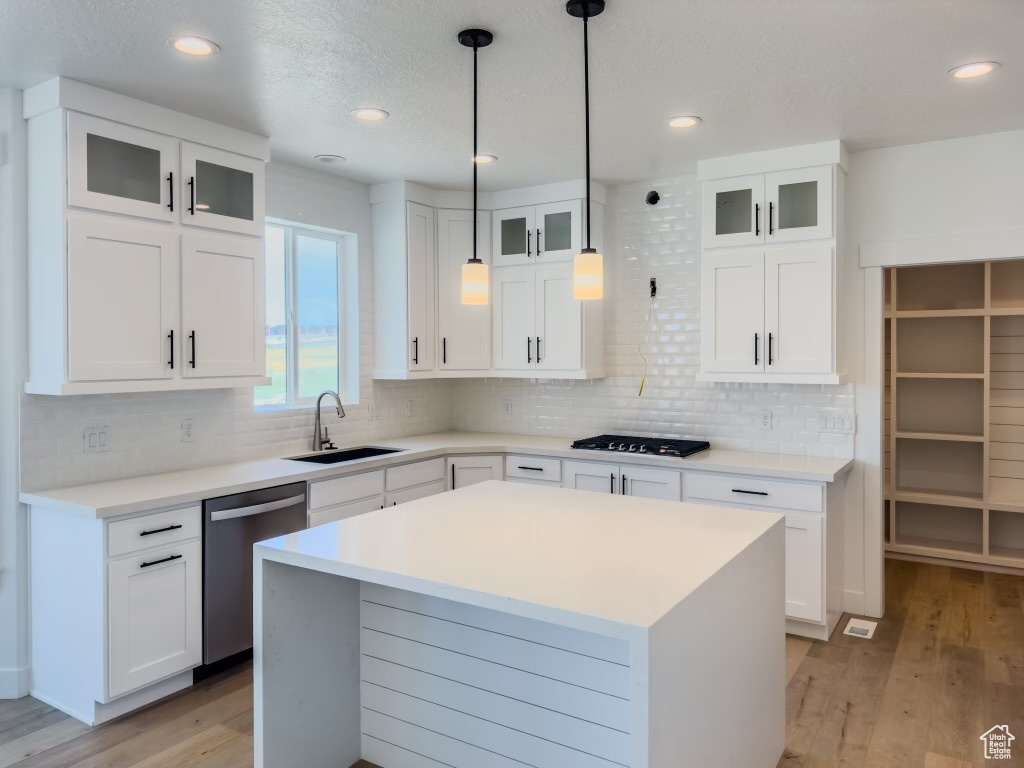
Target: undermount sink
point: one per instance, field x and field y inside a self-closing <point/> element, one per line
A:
<point x="350" y="454"/>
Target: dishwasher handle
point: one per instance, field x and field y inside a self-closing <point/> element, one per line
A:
<point x="257" y="509"/>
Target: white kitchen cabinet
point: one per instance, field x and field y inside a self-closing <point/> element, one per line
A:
<point x="463" y="330"/>
<point x="222" y="306"/>
<point x="798" y="310"/>
<point x="470" y="470"/>
<point x="344" y="511"/>
<point x="626" y="480"/>
<point x="117" y="168"/>
<point x="538" y="233"/>
<point x="154" y="607"/>
<point x="122" y="300"/>
<point x="222" y="190"/>
<point x="411" y="494"/>
<point x="732" y="211"/>
<point x="514" y="295"/>
<point x="732" y="306"/>
<point x="804" y="573"/>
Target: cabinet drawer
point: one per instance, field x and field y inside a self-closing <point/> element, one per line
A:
<point x="155" y="530"/>
<point x="752" y="492"/>
<point x="409" y="475"/>
<point x="329" y="493"/>
<point x="332" y="514"/>
<point x="412" y="494"/>
<point x="532" y="468"/>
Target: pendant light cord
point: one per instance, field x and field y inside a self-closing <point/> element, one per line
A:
<point x="475" y="163"/>
<point x="586" y="99"/>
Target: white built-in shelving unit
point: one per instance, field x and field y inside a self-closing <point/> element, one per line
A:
<point x="954" y="421"/>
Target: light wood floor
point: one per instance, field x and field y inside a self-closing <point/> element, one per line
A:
<point x="944" y="666"/>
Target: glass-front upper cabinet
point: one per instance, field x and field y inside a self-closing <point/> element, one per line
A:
<point x="222" y="190"/>
<point x="514" y="233"/>
<point x="559" y="227"/>
<point x="799" y="204"/>
<point x="120" y="169"/>
<point x="733" y="212"/>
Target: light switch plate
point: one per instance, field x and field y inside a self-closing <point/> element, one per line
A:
<point x="837" y="423"/>
<point x="96" y="439"/>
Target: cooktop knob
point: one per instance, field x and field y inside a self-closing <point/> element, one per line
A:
<point x="633" y="448"/>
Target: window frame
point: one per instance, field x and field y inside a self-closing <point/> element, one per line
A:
<point x="292" y="232"/>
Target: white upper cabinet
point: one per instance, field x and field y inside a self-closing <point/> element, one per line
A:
<point x="537" y="233"/>
<point x="114" y="272"/>
<point x="222" y="190"/>
<point x="122" y="300"/>
<point x="222" y="306"/>
<point x="464" y="330"/>
<point x="559" y="330"/>
<point x="769" y="302"/>
<point x="514" y="296"/>
<point x="421" y="269"/>
<point x="117" y="168"/>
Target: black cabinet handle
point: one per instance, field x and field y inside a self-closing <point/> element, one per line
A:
<point x="611" y="480"/>
<point x="171" y="337"/>
<point x="757" y="219"/>
<point x="538" y="349"/>
<point x="444" y="350"/>
<point x="750" y="493"/>
<point x="529" y="246"/>
<point x="192" y="338"/>
<point x="170" y="190"/>
<point x="756" y="358"/>
<point x="192" y="195"/>
<point x="771" y="218"/>
<point x="769" y="349"/>
<point x="453" y="477"/>
<point x="164" y="560"/>
<point x="532" y="469"/>
<point x="160" y="530"/>
<point x="538" y="243"/>
<point x="529" y="349"/>
<point x="416" y="351"/>
<point x="622" y="486"/>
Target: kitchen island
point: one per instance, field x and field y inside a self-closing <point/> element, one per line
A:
<point x="502" y="625"/>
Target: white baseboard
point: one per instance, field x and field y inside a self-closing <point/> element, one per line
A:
<point x="13" y="683"/>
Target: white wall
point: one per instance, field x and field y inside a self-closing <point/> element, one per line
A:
<point x="663" y="242"/>
<point x="146" y="428"/>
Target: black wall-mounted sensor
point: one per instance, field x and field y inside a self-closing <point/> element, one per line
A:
<point x="653" y="197"/>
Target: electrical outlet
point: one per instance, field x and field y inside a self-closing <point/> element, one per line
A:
<point x="96" y="439"/>
<point x="186" y="430"/>
<point x="410" y="408"/>
<point x="374" y="410"/>
<point x="764" y="420"/>
<point x="508" y="407"/>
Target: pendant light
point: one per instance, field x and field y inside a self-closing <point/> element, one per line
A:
<point x="475" y="283"/>
<point x="588" y="264"/>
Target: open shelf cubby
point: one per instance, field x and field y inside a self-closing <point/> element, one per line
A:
<point x="942" y="467"/>
<point x="940" y="345"/>
<point x="940" y="287"/>
<point x="1006" y="534"/>
<point x="1007" y="285"/>
<point x="952" y="529"/>
<point x="941" y="406"/>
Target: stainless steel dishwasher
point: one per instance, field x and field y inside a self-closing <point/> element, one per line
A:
<point x="231" y="525"/>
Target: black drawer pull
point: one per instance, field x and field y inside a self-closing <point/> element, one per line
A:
<point x="751" y="493"/>
<point x="192" y="195"/>
<point x="533" y="469"/>
<point x="170" y="190"/>
<point x="171" y="337"/>
<point x="160" y="530"/>
<point x="164" y="560"/>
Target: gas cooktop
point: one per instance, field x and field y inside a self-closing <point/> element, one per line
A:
<point x="655" y="446"/>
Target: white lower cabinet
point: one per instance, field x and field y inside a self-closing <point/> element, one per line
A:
<point x="344" y="511"/>
<point x="626" y="480"/>
<point x="804" y="545"/>
<point x="411" y="494"/>
<point x="339" y="498"/>
<point x="470" y="470"/>
<point x="154" y="615"/>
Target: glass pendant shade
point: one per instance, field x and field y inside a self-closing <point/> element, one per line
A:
<point x="475" y="283"/>
<point x="588" y="275"/>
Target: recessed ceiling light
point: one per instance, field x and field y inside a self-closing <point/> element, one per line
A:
<point x="484" y="159"/>
<point x="329" y="159"/>
<point x="369" y="114"/>
<point x="976" y="69"/>
<point x="194" y="46"/>
<point x="684" y="121"/>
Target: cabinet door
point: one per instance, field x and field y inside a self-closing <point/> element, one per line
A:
<point x="422" y="258"/>
<point x="222" y="306"/>
<point x="651" y="483"/>
<point x="514" y="293"/>
<point x="464" y="330"/>
<point x="798" y="310"/>
<point x="420" y="492"/>
<point x="559" y="336"/>
<point x="733" y="211"/>
<point x="799" y="204"/>
<point x="345" y="511"/>
<point x="122" y="288"/>
<point x="590" y="476"/>
<point x="559" y="230"/>
<point x="732" y="310"/>
<point x="120" y="169"/>
<point x="222" y="190"/>
<point x="804" y="588"/>
<point x="514" y="236"/>
<point x="154" y="614"/>
<point x="470" y="470"/>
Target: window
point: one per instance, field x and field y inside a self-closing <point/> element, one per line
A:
<point x="305" y="294"/>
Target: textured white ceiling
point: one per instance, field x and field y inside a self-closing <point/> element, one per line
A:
<point x="762" y="74"/>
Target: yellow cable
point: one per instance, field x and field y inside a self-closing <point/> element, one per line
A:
<point x="639" y="348"/>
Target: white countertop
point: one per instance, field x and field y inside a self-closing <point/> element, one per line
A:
<point x="618" y="559"/>
<point x="136" y="494"/>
